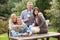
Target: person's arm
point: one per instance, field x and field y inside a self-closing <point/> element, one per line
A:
<point x="10" y="24"/>
<point x="22" y="16"/>
<point x="15" y="34"/>
<point x="42" y="19"/>
<point x="29" y="31"/>
<point x="22" y="25"/>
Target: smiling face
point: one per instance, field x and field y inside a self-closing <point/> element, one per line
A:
<point x="13" y="17"/>
<point x="35" y="11"/>
<point x="19" y="21"/>
<point x="29" y="5"/>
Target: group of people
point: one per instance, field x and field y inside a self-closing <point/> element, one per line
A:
<point x="30" y="22"/>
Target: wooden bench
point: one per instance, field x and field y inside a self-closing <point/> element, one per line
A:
<point x="36" y="36"/>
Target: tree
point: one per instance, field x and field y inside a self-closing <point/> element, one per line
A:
<point x="4" y="8"/>
<point x="11" y="4"/>
<point x="3" y="1"/>
<point x="19" y="6"/>
<point x="56" y="14"/>
<point x="42" y="5"/>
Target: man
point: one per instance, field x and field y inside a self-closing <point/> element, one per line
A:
<point x="20" y="29"/>
<point x="27" y="14"/>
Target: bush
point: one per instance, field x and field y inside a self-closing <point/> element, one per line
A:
<point x="55" y="14"/>
<point x="18" y="7"/>
<point x="56" y="20"/>
<point x="4" y="8"/>
<point x="43" y="5"/>
<point x="3" y="26"/>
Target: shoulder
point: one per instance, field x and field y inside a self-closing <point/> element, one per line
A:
<point x="24" y="11"/>
<point x="32" y="10"/>
<point x="23" y="23"/>
<point x="40" y="13"/>
<point x="10" y="20"/>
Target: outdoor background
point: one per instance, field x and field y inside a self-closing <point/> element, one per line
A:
<point x="49" y="8"/>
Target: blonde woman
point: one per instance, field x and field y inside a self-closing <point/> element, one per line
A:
<point x="12" y="20"/>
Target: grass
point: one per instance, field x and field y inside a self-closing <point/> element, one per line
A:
<point x="5" y="36"/>
<point x="52" y="30"/>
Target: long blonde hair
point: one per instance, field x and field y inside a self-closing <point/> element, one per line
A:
<point x="12" y="15"/>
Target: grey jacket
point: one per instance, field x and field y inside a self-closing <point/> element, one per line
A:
<point x="43" y="28"/>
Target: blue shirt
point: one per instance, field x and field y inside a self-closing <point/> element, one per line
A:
<point x="24" y="16"/>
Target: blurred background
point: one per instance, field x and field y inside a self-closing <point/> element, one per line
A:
<point x="49" y="8"/>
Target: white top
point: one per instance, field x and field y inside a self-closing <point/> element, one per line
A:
<point x="10" y="24"/>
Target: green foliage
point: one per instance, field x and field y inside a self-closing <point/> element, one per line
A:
<point x="56" y="7"/>
<point x="11" y="4"/>
<point x="18" y="7"/>
<point x="4" y="8"/>
<point x="56" y="20"/>
<point x="55" y="11"/>
<point x="42" y="5"/>
<point x="3" y="1"/>
<point x="4" y="11"/>
<point x="3" y="26"/>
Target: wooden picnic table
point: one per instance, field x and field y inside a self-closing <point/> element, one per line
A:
<point x="36" y="36"/>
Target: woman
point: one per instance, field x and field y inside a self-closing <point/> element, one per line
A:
<point x="12" y="20"/>
<point x="39" y="21"/>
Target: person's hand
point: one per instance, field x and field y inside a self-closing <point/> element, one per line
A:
<point x="13" y="26"/>
<point x="33" y="24"/>
<point x="16" y="25"/>
<point x="25" y="34"/>
<point x="27" y="19"/>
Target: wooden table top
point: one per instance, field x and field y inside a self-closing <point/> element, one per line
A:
<point x="49" y="34"/>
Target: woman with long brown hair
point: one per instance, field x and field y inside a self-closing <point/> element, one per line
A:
<point x="39" y="21"/>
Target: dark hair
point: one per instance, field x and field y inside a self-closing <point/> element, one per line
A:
<point x="36" y="8"/>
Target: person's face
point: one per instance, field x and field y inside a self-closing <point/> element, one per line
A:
<point x="14" y="18"/>
<point x="19" y="21"/>
<point x="36" y="12"/>
<point x="29" y="6"/>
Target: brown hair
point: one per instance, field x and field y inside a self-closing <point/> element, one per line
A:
<point x="36" y="8"/>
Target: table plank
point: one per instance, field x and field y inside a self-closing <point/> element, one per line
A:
<point x="49" y="34"/>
